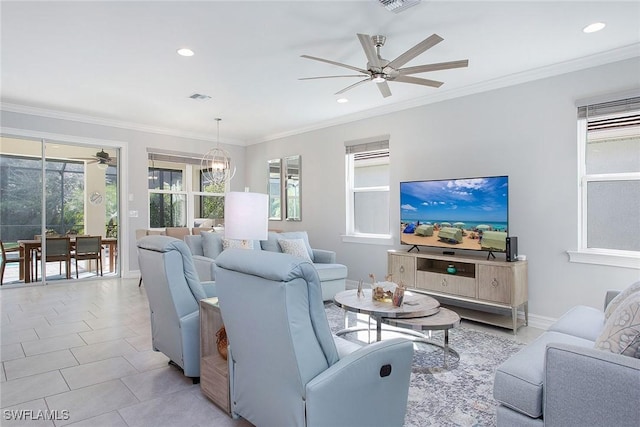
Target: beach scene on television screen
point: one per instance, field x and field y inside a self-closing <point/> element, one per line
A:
<point x="457" y="213"/>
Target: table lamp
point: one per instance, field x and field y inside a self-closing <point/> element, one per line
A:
<point x="246" y="216"/>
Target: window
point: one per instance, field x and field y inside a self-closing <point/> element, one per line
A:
<point x="179" y="194"/>
<point x="211" y="206"/>
<point x="167" y="200"/>
<point x="367" y="189"/>
<point x="609" y="147"/>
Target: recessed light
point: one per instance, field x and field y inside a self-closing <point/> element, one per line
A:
<point x="342" y="100"/>
<point x="185" y="52"/>
<point x="592" y="28"/>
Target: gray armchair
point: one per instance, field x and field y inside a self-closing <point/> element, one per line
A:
<point x="286" y="367"/>
<point x="174" y="292"/>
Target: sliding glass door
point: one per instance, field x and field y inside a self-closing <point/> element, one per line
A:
<point x="73" y="191"/>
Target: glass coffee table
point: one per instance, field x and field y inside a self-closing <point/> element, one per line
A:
<point x="418" y="313"/>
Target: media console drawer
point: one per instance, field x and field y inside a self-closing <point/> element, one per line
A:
<point x="447" y="283"/>
<point x="487" y="285"/>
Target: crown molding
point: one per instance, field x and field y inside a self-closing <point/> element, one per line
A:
<point x="82" y="118"/>
<point x="603" y="58"/>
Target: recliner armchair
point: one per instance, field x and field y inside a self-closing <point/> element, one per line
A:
<point x="174" y="292"/>
<point x="286" y="368"/>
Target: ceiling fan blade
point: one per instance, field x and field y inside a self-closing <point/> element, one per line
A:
<point x="434" y="67"/>
<point x="335" y="63"/>
<point x="418" y="81"/>
<point x="384" y="89"/>
<point x="328" y="77"/>
<point x="425" y="44"/>
<point x="352" y="86"/>
<point x="370" y="50"/>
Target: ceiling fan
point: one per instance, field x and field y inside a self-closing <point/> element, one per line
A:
<point x="102" y="158"/>
<point x="382" y="71"/>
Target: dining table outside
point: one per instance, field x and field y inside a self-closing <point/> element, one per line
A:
<point x="27" y="247"/>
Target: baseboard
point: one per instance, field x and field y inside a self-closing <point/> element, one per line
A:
<point x="540" y="322"/>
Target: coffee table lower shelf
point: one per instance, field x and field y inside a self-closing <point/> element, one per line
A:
<point x="415" y="327"/>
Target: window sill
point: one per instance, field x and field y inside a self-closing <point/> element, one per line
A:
<point x="610" y="258"/>
<point x="369" y="239"/>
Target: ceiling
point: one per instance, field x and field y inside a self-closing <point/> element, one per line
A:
<point x="116" y="62"/>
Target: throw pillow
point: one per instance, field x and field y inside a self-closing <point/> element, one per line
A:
<point x="232" y="243"/>
<point x="299" y="235"/>
<point x="615" y="302"/>
<point x="272" y="243"/>
<point x="295" y="247"/>
<point x="211" y="244"/>
<point x="621" y="333"/>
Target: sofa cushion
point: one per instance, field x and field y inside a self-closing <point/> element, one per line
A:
<point x="328" y="272"/>
<point x="613" y="305"/>
<point x="580" y="321"/>
<point x="519" y="380"/>
<point x="621" y="333"/>
<point x="194" y="242"/>
<point x="211" y="244"/>
<point x="295" y="247"/>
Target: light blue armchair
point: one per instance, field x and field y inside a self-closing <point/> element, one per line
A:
<point x="286" y="367"/>
<point x="174" y="292"/>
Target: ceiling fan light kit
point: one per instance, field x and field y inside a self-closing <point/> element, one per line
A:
<point x="102" y="159"/>
<point x="382" y="71"/>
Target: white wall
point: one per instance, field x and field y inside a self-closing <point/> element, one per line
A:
<point x="527" y="131"/>
<point x="134" y="145"/>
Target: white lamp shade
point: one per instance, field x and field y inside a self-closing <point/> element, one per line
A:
<point x="246" y="216"/>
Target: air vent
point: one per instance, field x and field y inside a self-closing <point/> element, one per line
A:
<point x="397" y="6"/>
<point x="200" y="97"/>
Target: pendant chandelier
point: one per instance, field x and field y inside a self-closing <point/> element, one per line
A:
<point x="216" y="163"/>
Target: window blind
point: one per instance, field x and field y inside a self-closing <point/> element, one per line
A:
<point x="619" y="114"/>
<point x="608" y="108"/>
<point x="161" y="157"/>
<point x="367" y="147"/>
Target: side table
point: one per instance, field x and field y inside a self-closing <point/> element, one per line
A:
<point x="214" y="370"/>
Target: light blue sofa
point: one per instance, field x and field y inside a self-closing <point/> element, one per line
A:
<point x="561" y="379"/>
<point x="207" y="246"/>
<point x="174" y="292"/>
<point x="286" y="367"/>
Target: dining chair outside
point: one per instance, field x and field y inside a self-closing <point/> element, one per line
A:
<point x="87" y="249"/>
<point x="57" y="249"/>
<point x="8" y="257"/>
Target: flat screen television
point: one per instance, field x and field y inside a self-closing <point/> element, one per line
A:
<point x="469" y="213"/>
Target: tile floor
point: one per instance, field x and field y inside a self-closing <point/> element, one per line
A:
<point x="83" y="349"/>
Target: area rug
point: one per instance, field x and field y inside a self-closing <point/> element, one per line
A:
<point x="460" y="394"/>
